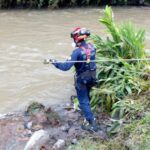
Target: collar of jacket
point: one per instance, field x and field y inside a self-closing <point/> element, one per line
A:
<point x="83" y="43"/>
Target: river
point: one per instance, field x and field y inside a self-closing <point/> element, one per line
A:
<point x="29" y="36"/>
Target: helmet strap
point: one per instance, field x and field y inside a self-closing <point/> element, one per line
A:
<point x="77" y="43"/>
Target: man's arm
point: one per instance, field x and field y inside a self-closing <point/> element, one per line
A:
<point x="68" y="64"/>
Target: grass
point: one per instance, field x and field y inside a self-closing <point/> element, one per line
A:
<point x="133" y="136"/>
<point x="88" y="144"/>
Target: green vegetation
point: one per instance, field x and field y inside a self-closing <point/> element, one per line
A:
<point x="88" y="144"/>
<point x="66" y="3"/>
<point x="134" y="132"/>
<point x="119" y="77"/>
<point x="134" y="136"/>
<point x="123" y="89"/>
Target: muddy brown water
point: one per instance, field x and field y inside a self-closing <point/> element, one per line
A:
<point x="27" y="37"/>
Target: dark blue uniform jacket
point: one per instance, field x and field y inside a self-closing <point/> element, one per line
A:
<point x="78" y="55"/>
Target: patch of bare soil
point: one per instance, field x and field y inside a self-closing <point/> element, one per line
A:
<point x="46" y="128"/>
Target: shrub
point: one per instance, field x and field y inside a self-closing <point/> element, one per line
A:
<point x="118" y="77"/>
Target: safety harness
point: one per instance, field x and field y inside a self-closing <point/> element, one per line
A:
<point x="87" y="51"/>
<point x="87" y="75"/>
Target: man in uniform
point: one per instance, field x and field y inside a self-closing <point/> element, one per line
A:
<point x="83" y="59"/>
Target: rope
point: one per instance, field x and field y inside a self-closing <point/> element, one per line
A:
<point x="134" y="59"/>
<point x="102" y="60"/>
<point x="81" y="61"/>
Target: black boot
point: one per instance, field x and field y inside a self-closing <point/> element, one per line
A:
<point x="90" y="126"/>
<point x="94" y="125"/>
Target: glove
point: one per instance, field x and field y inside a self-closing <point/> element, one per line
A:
<point x="46" y="61"/>
<point x="52" y="61"/>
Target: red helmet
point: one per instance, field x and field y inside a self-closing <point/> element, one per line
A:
<point x="79" y="34"/>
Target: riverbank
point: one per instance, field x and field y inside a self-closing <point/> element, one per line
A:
<point x="46" y="128"/>
<point x="58" y="128"/>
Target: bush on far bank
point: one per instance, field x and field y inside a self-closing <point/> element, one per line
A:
<point x="67" y="3"/>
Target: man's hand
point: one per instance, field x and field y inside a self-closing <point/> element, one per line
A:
<point x="52" y="61"/>
<point x="47" y="61"/>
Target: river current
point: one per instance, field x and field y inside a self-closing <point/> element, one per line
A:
<point x="29" y="36"/>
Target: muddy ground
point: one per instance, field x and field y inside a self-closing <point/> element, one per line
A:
<point x="62" y="123"/>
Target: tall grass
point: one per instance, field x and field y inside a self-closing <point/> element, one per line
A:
<point x="118" y="78"/>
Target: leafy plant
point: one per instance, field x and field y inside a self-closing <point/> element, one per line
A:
<point x="118" y="77"/>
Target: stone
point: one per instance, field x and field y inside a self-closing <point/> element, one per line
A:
<point x="68" y="106"/>
<point x="102" y="135"/>
<point x="28" y="133"/>
<point x="43" y="148"/>
<point x="53" y="118"/>
<point x="38" y="139"/>
<point x="34" y="108"/>
<point x="19" y="128"/>
<point x="59" y="145"/>
<point x="74" y="141"/>
<point x="28" y="125"/>
<point x="72" y="116"/>
<point x="37" y="127"/>
<point x="72" y="132"/>
<point x="65" y="128"/>
<point x="41" y="117"/>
